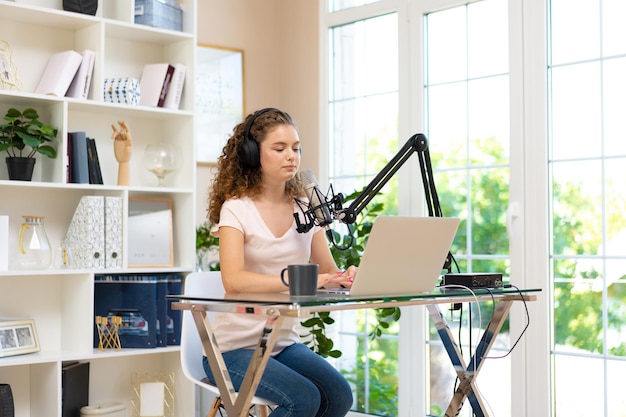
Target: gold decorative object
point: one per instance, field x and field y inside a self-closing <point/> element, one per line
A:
<point x="109" y="334"/>
<point x="8" y="70"/>
<point x="152" y="394"/>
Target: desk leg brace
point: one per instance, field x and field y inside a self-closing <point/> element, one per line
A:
<point x="468" y="374"/>
<point x="237" y="404"/>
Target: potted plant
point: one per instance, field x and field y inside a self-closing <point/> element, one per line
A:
<point x="207" y="248"/>
<point x="23" y="136"/>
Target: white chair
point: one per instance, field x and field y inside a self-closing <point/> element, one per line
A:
<point x="204" y="283"/>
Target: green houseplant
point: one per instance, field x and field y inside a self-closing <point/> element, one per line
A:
<point x="206" y="243"/>
<point x="22" y="137"/>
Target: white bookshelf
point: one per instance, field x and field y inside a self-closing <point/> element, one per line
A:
<point x="61" y="301"/>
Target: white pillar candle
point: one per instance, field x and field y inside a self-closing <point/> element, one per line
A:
<point x="152" y="399"/>
<point x="4" y="243"/>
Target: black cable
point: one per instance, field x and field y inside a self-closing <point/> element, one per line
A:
<point x="523" y="331"/>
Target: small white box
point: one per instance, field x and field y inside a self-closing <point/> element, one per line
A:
<point x="122" y="90"/>
<point x="104" y="409"/>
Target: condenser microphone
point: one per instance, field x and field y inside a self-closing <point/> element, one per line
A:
<point x="317" y="200"/>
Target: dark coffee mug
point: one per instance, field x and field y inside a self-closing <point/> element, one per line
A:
<point x="302" y="279"/>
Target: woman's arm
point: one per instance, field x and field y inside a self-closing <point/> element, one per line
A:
<point x="234" y="277"/>
<point x="330" y="275"/>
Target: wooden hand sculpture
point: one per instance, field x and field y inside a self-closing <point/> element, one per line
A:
<point x="123" y="150"/>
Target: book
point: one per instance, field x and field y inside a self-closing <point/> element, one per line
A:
<point x="68" y="167"/>
<point x="79" y="159"/>
<point x="174" y="287"/>
<point x="154" y="84"/>
<point x="163" y="321"/>
<point x="75" y="387"/>
<point x="95" y="172"/>
<point x="79" y="87"/>
<point x="59" y="73"/>
<point x="175" y="92"/>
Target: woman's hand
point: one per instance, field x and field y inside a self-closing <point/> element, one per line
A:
<point x="339" y="279"/>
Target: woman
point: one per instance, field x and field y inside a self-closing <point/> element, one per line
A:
<point x="252" y="205"/>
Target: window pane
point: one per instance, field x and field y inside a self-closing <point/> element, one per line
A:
<point x="336" y="5"/>
<point x="616" y="398"/>
<point x="575" y="34"/>
<point x="576" y="110"/>
<point x="489" y="202"/>
<point x="614" y="104"/>
<point x="348" y="150"/>
<point x="613" y="28"/>
<point x="364" y="58"/>
<point x="488" y="108"/>
<point x="447" y="124"/>
<point x="447" y="46"/>
<point x="616" y="291"/>
<point x="578" y="312"/>
<point x="576" y="207"/>
<point x="487" y="38"/>
<point x="569" y="390"/>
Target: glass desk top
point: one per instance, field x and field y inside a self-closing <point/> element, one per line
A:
<point x="329" y="302"/>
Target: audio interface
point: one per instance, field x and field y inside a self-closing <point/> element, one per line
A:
<point x="474" y="280"/>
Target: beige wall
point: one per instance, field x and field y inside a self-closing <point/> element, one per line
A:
<point x="281" y="43"/>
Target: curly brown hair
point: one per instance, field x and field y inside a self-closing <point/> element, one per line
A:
<point x="234" y="179"/>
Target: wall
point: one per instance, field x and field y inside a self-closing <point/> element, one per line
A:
<point x="281" y="47"/>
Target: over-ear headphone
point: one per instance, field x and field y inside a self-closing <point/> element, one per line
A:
<point x="249" y="154"/>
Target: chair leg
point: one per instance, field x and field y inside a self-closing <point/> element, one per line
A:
<point x="215" y="406"/>
<point x="262" y="410"/>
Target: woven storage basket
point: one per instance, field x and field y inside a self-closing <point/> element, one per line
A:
<point x="81" y="6"/>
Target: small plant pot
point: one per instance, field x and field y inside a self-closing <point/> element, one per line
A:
<point x="20" y="168"/>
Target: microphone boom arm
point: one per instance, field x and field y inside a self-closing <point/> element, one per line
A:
<point x="416" y="143"/>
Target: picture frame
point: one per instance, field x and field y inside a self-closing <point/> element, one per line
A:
<point x="18" y="337"/>
<point x="9" y="79"/>
<point x="219" y="99"/>
<point x="150" y="232"/>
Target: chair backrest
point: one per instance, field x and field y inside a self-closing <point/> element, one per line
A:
<point x="198" y="284"/>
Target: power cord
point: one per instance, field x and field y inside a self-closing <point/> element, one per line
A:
<point x="523" y="330"/>
<point x="477" y="353"/>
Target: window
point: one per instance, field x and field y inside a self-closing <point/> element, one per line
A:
<point x="467" y="104"/>
<point x="363" y="137"/>
<point x="517" y="108"/>
<point x="587" y="168"/>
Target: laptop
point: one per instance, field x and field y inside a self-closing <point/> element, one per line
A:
<point x="403" y="255"/>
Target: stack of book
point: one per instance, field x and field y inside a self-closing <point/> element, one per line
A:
<point x="68" y="74"/>
<point x="161" y="85"/>
<point x="83" y="162"/>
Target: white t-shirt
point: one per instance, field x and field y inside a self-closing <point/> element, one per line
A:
<point x="265" y="254"/>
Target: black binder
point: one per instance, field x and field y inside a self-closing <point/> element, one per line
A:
<point x="75" y="387"/>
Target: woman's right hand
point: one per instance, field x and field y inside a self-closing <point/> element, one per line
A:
<point x="339" y="279"/>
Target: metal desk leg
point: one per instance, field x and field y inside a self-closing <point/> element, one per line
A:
<point x="467" y="374"/>
<point x="237" y="403"/>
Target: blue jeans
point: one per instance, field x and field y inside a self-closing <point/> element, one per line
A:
<point x="301" y="382"/>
